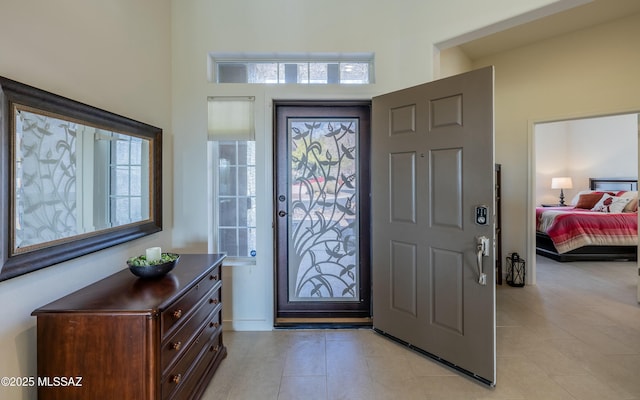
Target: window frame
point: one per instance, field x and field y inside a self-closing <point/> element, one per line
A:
<point x="215" y="225"/>
<point x="281" y="60"/>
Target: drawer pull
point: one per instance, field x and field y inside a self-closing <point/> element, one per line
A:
<point x="214" y="348"/>
<point x="213" y="277"/>
<point x="177" y="314"/>
<point x="176" y="378"/>
<point x="176" y="345"/>
<point x="213" y="301"/>
<point x="213" y="325"/>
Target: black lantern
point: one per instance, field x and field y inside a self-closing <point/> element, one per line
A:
<point x="516" y="270"/>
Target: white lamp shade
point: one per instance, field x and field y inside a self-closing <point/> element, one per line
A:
<point x="563" y="182"/>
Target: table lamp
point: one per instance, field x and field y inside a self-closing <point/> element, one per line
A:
<point x="561" y="183"/>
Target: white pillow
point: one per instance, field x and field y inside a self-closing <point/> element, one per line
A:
<point x="632" y="205"/>
<point x="611" y="204"/>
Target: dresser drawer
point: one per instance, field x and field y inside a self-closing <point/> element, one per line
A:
<point x="210" y="351"/>
<point x="185" y="306"/>
<point x="200" y="351"/>
<point x="207" y="311"/>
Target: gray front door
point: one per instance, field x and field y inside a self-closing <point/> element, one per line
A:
<point x="432" y="203"/>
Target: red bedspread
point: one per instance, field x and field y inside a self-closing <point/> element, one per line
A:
<point x="572" y="228"/>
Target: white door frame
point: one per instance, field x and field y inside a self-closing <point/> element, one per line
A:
<point x="531" y="168"/>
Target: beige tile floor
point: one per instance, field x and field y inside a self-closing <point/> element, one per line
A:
<point x="575" y="335"/>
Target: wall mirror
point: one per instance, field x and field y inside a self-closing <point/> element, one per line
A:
<point x="75" y="179"/>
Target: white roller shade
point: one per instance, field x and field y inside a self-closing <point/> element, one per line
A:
<point x="231" y="118"/>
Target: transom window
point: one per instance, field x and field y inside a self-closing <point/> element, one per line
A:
<point x="294" y="69"/>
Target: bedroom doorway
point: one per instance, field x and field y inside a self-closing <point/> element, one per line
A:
<point x="580" y="148"/>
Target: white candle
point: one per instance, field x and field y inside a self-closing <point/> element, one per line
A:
<point x="153" y="254"/>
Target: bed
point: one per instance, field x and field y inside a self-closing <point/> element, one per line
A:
<point x="600" y="225"/>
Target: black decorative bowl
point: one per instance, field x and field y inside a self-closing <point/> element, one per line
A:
<point x="153" y="271"/>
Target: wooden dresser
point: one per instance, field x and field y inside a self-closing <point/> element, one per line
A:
<point x="128" y="338"/>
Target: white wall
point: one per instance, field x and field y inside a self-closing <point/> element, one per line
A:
<point x="585" y="73"/>
<point x="114" y="55"/>
<point x="402" y="35"/>
<point x="146" y="59"/>
<point x="603" y="147"/>
<point x="552" y="141"/>
<point x="452" y="61"/>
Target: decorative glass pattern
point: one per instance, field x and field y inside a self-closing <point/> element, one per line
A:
<point x="45" y="179"/>
<point x="323" y="209"/>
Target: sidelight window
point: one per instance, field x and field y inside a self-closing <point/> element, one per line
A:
<point x="235" y="198"/>
<point x="232" y="154"/>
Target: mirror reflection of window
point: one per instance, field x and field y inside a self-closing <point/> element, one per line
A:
<point x="72" y="179"/>
<point x="129" y="180"/>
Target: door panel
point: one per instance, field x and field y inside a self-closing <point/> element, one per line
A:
<point x="322" y="216"/>
<point x="433" y="163"/>
<point x="447" y="291"/>
<point x="403" y="187"/>
<point x="446" y="193"/>
<point x="403" y="278"/>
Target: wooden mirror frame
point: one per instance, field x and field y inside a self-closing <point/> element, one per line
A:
<point x="12" y="92"/>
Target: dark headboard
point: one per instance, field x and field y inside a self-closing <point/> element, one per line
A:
<point x="613" y="184"/>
